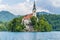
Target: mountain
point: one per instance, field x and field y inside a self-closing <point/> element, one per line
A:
<point x="53" y="19"/>
<point x="43" y="13"/>
<point x="6" y="16"/>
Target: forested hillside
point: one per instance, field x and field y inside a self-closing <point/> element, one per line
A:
<point x="53" y="19"/>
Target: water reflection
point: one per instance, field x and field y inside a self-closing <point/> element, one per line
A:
<point x="29" y="35"/>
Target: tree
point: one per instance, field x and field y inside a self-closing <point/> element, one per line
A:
<point x="15" y="25"/>
<point x="3" y="27"/>
<point x="44" y="26"/>
<point x="33" y="20"/>
<point x="41" y="25"/>
<point x="34" y="23"/>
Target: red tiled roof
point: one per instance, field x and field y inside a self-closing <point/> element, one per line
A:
<point x="28" y="16"/>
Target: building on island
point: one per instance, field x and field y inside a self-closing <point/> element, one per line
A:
<point x="26" y="19"/>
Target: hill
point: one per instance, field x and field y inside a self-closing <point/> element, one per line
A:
<point x="53" y="19"/>
<point x="6" y="16"/>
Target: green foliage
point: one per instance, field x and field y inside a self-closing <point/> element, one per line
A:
<point x="42" y="25"/>
<point x="3" y="27"/>
<point x="36" y="28"/>
<point x="34" y="23"/>
<point x="53" y="19"/>
<point x="34" y="20"/>
<point x="15" y="25"/>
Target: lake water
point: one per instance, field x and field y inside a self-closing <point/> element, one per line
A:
<point x="29" y="35"/>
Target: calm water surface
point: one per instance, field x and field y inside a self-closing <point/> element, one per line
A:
<point x="29" y="35"/>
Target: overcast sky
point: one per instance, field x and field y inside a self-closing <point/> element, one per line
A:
<point x="22" y="7"/>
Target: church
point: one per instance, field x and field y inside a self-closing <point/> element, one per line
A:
<point x="26" y="19"/>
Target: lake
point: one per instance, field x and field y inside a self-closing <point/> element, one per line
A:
<point x="30" y="35"/>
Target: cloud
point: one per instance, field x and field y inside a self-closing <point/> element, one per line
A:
<point x="17" y="9"/>
<point x="55" y="3"/>
<point x="25" y="8"/>
<point x="0" y="1"/>
<point x="21" y="8"/>
<point x="3" y="7"/>
<point x="28" y="0"/>
<point x="40" y="9"/>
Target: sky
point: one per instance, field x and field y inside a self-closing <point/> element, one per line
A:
<point x="23" y="7"/>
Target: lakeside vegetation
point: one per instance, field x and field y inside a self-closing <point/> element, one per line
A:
<point x="46" y="22"/>
<point x="15" y="25"/>
<point x="41" y="24"/>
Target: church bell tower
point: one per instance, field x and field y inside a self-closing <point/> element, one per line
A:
<point x="34" y="9"/>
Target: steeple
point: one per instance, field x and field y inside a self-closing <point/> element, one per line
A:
<point x="34" y="9"/>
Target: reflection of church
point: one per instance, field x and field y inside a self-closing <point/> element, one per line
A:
<point x="26" y="20"/>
